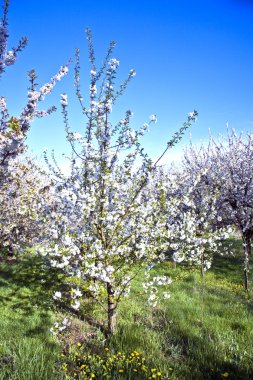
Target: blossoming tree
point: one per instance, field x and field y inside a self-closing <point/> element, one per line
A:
<point x="13" y="130"/>
<point x="198" y="208"/>
<point x="23" y="194"/>
<point x="112" y="220"/>
<point x="228" y="162"/>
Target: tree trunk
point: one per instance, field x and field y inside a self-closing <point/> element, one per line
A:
<point x="202" y="267"/>
<point x="10" y="251"/>
<point x="247" y="251"/>
<point x="111" y="311"/>
<point x="202" y="270"/>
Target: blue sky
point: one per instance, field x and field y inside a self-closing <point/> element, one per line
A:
<point x="187" y="55"/>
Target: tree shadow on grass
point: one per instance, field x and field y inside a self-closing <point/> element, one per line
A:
<point x="229" y="267"/>
<point x="235" y="371"/>
<point x="201" y="358"/>
<point x="30" y="279"/>
<point x="26" y="288"/>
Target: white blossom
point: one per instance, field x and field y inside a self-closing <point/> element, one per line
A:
<point x="153" y="118"/>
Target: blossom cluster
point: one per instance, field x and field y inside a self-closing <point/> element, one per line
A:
<point x="59" y="327"/>
<point x="8" y="57"/>
<point x="151" y="288"/>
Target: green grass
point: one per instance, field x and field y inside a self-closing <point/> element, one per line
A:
<point x="27" y="350"/>
<point x="204" y="331"/>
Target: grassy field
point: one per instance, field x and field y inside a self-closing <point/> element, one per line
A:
<point x="204" y="331"/>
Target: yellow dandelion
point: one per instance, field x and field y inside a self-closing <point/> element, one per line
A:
<point x="225" y="374"/>
<point x="121" y="370"/>
<point x="79" y="344"/>
<point x="159" y="374"/>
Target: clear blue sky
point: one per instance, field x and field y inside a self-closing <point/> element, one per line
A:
<point x="187" y="54"/>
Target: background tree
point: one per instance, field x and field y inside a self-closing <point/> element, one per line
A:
<point x="22" y="195"/>
<point x="228" y="163"/>
<point x="13" y="130"/>
<point x="196" y="209"/>
<point x="16" y="196"/>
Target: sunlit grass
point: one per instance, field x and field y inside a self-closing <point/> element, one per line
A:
<point x="204" y="331"/>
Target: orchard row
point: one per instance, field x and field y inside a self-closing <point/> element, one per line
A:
<point x="116" y="211"/>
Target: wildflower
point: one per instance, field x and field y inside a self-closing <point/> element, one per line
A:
<point x="132" y="73"/>
<point x="225" y="374"/>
